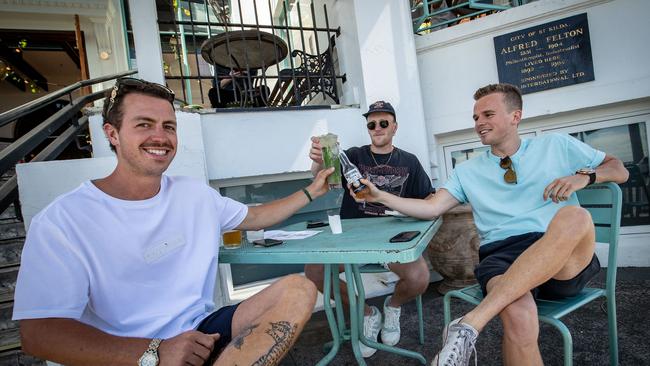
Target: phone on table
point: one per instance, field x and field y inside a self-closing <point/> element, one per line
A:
<point x="404" y="236"/>
<point x="267" y="242"/>
<point x="315" y="224"/>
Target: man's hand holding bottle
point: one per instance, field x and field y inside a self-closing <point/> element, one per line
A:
<point x="371" y="192"/>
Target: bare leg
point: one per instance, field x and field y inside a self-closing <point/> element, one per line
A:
<point x="413" y="281"/>
<point x="520" y="330"/>
<point x="265" y="326"/>
<point x="562" y="253"/>
<point x="316" y="272"/>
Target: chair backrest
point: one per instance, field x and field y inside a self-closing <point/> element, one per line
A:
<point x="316" y="74"/>
<point x="604" y="202"/>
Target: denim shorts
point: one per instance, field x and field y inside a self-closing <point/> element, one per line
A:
<point x="219" y="322"/>
<point x="495" y="258"/>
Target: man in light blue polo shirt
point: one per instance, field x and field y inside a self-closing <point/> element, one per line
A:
<point x="535" y="239"/>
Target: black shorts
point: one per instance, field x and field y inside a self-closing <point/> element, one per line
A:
<point x="496" y="257"/>
<point x="219" y="322"/>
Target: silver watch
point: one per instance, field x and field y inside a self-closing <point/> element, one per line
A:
<point x="150" y="356"/>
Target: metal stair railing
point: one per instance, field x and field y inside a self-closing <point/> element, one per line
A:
<point x="13" y="153"/>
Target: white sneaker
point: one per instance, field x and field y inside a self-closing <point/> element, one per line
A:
<point x="371" y="327"/>
<point x="390" y="332"/>
<point x="458" y="341"/>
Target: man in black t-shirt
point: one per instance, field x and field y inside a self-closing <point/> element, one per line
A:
<point x="395" y="171"/>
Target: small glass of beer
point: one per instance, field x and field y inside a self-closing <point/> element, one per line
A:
<point x="232" y="239"/>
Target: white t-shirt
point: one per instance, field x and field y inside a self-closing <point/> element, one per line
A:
<point x="130" y="268"/>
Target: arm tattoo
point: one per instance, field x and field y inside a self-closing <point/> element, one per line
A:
<point x="283" y="334"/>
<point x="238" y="341"/>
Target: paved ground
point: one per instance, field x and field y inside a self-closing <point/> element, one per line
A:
<point x="588" y="326"/>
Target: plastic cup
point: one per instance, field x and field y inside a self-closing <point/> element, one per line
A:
<point x="252" y="235"/>
<point x="334" y="219"/>
<point x="232" y="239"/>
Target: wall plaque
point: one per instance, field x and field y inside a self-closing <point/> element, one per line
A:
<point x="546" y="56"/>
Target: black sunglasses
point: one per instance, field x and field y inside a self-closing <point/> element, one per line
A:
<point x="138" y="84"/>
<point x="510" y="176"/>
<point x="372" y="124"/>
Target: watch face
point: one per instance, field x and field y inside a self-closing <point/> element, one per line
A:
<point x="148" y="359"/>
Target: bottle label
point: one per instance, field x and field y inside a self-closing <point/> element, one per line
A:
<point x="353" y="176"/>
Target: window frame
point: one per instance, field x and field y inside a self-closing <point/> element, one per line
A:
<point x="577" y="125"/>
<point x="448" y="149"/>
<point x="228" y="293"/>
<point x="612" y="122"/>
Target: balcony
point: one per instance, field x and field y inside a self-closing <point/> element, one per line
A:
<point x="223" y="54"/>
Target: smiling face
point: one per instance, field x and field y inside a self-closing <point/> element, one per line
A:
<point x="494" y="121"/>
<point x="382" y="137"/>
<point x="146" y="141"/>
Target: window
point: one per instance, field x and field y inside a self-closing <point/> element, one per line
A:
<point x="630" y="144"/>
<point x="459" y="156"/>
<point x="227" y="54"/>
<point x="244" y="274"/>
<point x="624" y="138"/>
<point x="458" y="153"/>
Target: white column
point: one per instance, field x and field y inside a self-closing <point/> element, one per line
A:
<point x="148" y="53"/>
<point x="390" y="69"/>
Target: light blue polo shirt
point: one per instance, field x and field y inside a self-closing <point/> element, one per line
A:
<point x="502" y="210"/>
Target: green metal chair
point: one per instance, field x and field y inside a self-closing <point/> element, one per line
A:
<point x="378" y="268"/>
<point x="604" y="203"/>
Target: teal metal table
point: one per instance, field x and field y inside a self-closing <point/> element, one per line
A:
<point x="363" y="241"/>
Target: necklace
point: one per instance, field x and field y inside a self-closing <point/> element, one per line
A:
<point x="387" y="161"/>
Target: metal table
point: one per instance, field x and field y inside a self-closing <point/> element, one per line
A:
<point x="245" y="50"/>
<point x="363" y="241"/>
<point x="252" y="49"/>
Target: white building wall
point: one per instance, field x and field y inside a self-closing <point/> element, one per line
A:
<point x="390" y="69"/>
<point x="456" y="61"/>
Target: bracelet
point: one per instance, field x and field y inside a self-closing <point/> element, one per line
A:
<point x="304" y="190"/>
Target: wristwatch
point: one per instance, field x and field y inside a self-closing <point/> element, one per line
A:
<point x="590" y="172"/>
<point x="150" y="356"/>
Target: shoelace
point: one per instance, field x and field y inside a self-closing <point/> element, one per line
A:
<point x="367" y="325"/>
<point x="462" y="358"/>
<point x="392" y="320"/>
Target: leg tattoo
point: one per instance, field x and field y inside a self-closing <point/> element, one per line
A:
<point x="283" y="334"/>
<point x="238" y="341"/>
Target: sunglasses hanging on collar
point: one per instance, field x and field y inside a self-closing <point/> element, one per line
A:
<point x="509" y="176"/>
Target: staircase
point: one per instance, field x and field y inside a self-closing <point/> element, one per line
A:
<point x="12" y="237"/>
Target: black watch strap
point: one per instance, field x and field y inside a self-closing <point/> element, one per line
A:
<point x="590" y="172"/>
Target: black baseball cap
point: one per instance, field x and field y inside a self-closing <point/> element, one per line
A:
<point x="380" y="106"/>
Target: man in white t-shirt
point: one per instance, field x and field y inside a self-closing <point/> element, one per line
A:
<point x="122" y="269"/>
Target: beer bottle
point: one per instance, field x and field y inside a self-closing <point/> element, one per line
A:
<point x="353" y="176"/>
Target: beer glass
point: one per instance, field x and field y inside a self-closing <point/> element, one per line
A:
<point x="232" y="239"/>
<point x="330" y="150"/>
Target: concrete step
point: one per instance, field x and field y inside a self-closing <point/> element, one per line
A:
<point x="16" y="357"/>
<point x="12" y="230"/>
<point x="10" y="252"/>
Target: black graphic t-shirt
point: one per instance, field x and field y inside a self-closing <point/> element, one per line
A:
<point x="400" y="174"/>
